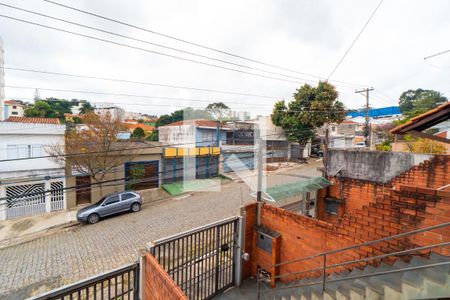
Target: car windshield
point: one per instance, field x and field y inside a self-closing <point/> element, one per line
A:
<point x="100" y="201"/>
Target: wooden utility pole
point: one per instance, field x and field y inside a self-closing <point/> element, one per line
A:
<point x="367" y="132"/>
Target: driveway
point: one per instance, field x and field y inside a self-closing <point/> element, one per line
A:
<point x="73" y="254"/>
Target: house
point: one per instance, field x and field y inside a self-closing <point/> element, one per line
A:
<point x="139" y="172"/>
<point x="193" y="133"/>
<point x="26" y="169"/>
<point x="381" y="232"/>
<point x="102" y="109"/>
<point x="13" y="108"/>
<point x="437" y="118"/>
<point x="132" y="126"/>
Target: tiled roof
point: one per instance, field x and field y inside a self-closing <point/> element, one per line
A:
<point x="143" y="126"/>
<point x="12" y="102"/>
<point x="421" y="122"/>
<point x="198" y="123"/>
<point x="33" y="120"/>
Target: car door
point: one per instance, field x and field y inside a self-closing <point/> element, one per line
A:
<point x="127" y="199"/>
<point x="111" y="206"/>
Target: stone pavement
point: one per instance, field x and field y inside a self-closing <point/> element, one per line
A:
<point x="76" y="253"/>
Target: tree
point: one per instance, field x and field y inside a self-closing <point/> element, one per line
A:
<point x="218" y="110"/>
<point x="93" y="149"/>
<point x="423" y="145"/>
<point x="311" y="108"/>
<point x="182" y="114"/>
<point x="416" y="102"/>
<point x="86" y="108"/>
<point x="40" y="109"/>
<point x="138" y="132"/>
<point x="153" y="137"/>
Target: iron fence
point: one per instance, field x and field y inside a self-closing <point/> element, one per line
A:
<point x="119" y="284"/>
<point x="201" y="261"/>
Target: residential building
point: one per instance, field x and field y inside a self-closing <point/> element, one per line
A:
<point x="133" y="126"/>
<point x="102" y="109"/>
<point x="2" y="81"/>
<point x="26" y="170"/>
<point x="193" y="133"/>
<point x="278" y="146"/>
<point x="140" y="172"/>
<point x="13" y="108"/>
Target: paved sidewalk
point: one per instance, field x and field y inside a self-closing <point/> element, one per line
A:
<point x="21" y="229"/>
<point x="76" y="253"/>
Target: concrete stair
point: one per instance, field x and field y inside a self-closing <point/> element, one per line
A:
<point x="429" y="283"/>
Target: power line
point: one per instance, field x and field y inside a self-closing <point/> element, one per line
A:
<point x="154" y="44"/>
<point x="148" y="50"/>
<point x="437" y="54"/>
<point x="189" y="42"/>
<point x="354" y="41"/>
<point x="124" y="95"/>
<point x="137" y="82"/>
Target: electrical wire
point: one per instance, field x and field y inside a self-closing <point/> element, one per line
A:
<point x="354" y="41"/>
<point x="156" y="44"/>
<point x="192" y="43"/>
<point x="148" y="50"/>
<point x="138" y="82"/>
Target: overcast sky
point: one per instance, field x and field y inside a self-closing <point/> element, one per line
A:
<point x="309" y="36"/>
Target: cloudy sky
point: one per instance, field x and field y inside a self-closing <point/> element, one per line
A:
<point x="308" y="36"/>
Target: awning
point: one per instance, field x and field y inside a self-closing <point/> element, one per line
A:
<point x="280" y="192"/>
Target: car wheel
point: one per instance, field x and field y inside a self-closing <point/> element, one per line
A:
<point x="93" y="218"/>
<point x="135" y="207"/>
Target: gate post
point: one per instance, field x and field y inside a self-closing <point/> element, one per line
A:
<point x="239" y="248"/>
<point x="3" y="203"/>
<point x="47" y="195"/>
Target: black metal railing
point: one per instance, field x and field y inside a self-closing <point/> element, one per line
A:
<point x="323" y="269"/>
<point x="200" y="261"/>
<point x="119" y="284"/>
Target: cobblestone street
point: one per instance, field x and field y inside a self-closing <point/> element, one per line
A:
<point x="73" y="254"/>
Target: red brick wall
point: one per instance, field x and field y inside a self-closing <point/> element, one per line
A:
<point x="373" y="211"/>
<point x="158" y="285"/>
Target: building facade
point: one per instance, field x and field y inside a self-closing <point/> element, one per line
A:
<point x="13" y="108"/>
<point x="2" y="81"/>
<point x="30" y="182"/>
<point x="114" y="111"/>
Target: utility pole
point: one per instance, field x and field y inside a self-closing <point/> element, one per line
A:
<point x="367" y="126"/>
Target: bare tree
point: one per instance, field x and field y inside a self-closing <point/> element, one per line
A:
<point x="93" y="148"/>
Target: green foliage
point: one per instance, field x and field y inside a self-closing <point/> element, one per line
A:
<point x="182" y="114"/>
<point x="54" y="108"/>
<point x="153" y="137"/>
<point x="140" y="121"/>
<point x="415" y="102"/>
<point x="138" y="132"/>
<point x="40" y="109"/>
<point x="86" y="108"/>
<point x="310" y="109"/>
<point x="217" y="105"/>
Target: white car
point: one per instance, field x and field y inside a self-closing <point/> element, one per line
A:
<point x="360" y="145"/>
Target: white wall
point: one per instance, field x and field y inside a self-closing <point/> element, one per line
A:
<point x="13" y="133"/>
<point x="2" y="81"/>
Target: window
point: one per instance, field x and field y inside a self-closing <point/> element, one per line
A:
<point x="332" y="207"/>
<point x="23" y="151"/>
<point x="111" y="200"/>
<point x="14" y="113"/>
<point x="127" y="196"/>
<point x="14" y="107"/>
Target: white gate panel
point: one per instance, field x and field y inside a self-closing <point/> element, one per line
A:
<point x="32" y="203"/>
<point x="57" y="195"/>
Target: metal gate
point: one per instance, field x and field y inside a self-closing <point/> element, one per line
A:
<point x="201" y="261"/>
<point x="18" y="206"/>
